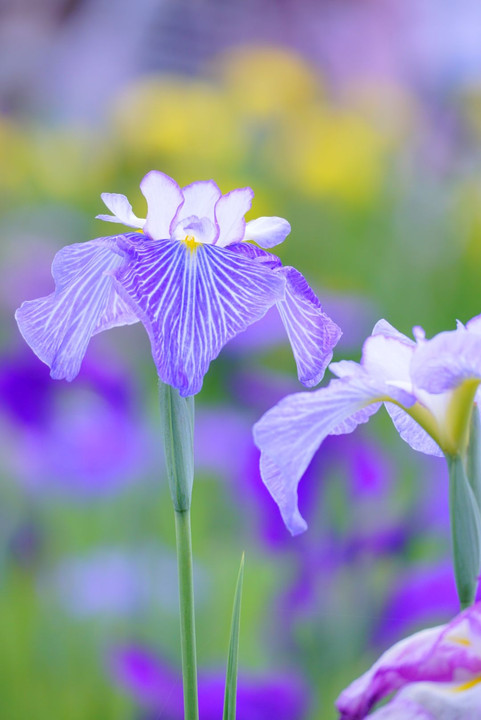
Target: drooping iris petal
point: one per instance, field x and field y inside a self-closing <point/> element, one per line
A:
<point x="121" y="209"/>
<point x="229" y="212"/>
<point x="192" y="302"/>
<point x="311" y="332"/>
<point x="267" y="231"/>
<point x="164" y="198"/>
<point x="412" y="433"/>
<point x="58" y="327"/>
<point x="445" y="655"/>
<point x="447" y="360"/>
<point x="289" y="434"/>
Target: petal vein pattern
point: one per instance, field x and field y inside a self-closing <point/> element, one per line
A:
<point x="193" y="302"/>
<point x="58" y="327"/>
<point x="311" y="332"/>
<point x="289" y="434"/>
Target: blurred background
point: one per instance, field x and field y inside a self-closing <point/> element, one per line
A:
<point x="360" y="122"/>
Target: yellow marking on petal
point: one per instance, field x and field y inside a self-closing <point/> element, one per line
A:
<point x="460" y="640"/>
<point x="468" y="685"/>
<point x="191" y="243"/>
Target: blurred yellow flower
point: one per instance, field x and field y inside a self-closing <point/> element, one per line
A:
<point x="267" y="81"/>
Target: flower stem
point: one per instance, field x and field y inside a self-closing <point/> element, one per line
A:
<point x="187" y="616"/>
<point x="177" y="418"/>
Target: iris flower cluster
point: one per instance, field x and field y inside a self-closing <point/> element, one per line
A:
<point x="196" y="274"/>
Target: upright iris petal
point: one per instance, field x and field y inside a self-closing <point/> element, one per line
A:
<point x="189" y="277"/>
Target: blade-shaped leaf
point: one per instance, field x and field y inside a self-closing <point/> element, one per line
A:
<point x="232" y="660"/>
<point x="465" y="531"/>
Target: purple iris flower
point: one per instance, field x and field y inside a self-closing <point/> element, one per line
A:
<point x="427" y="386"/>
<point x="189" y="277"/>
<point x="158" y="689"/>
<point x="435" y="673"/>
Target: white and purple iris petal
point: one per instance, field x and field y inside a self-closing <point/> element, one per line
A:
<point x="58" y="327"/>
<point x="436" y="673"/>
<point x="428" y="408"/>
<point x="189" y="276"/>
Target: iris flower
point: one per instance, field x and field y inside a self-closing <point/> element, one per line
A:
<point x="429" y="388"/>
<point x="188" y="275"/>
<point x="435" y="673"/>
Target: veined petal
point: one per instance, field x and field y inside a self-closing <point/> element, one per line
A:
<point x="311" y="332"/>
<point x="447" y="360"/>
<point x="289" y="434"/>
<point x="255" y="253"/>
<point x="444" y="654"/>
<point x="413" y="433"/>
<point x="58" y="327"/>
<point x="267" y="231"/>
<point x="164" y="198"/>
<point x="121" y="209"/>
<point x="192" y="302"/>
<point x="229" y="212"/>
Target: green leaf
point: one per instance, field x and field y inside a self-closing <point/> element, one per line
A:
<point x="233" y="657"/>
<point x="177" y="418"/>
<point x="473" y="457"/>
<point x="465" y="531"/>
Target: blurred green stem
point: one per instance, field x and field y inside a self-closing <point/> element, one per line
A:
<point x="187" y="617"/>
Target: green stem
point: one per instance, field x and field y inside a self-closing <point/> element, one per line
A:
<point x="187" y="616"/>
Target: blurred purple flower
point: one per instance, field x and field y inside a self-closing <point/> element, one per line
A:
<point x="113" y="582"/>
<point x="158" y="689"/>
<point x="420" y="596"/>
<point x="190" y="277"/>
<point x="80" y="443"/>
<point x="428" y="387"/>
<point x="435" y="672"/>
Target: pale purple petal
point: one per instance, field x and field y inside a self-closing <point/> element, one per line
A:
<point x="58" y="327"/>
<point x="442" y="701"/>
<point x="121" y="209"/>
<point x="311" y="332"/>
<point x="289" y="434"/>
<point x="474" y="325"/>
<point x="443" y="655"/>
<point x="267" y="231"/>
<point x="383" y="327"/>
<point x="200" y="199"/>
<point x="388" y="358"/>
<point x="202" y="229"/>
<point x="164" y="198"/>
<point x="229" y="212"/>
<point x="193" y="302"/>
<point x="399" y="709"/>
<point x="447" y="360"/>
<point x="412" y="433"/>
